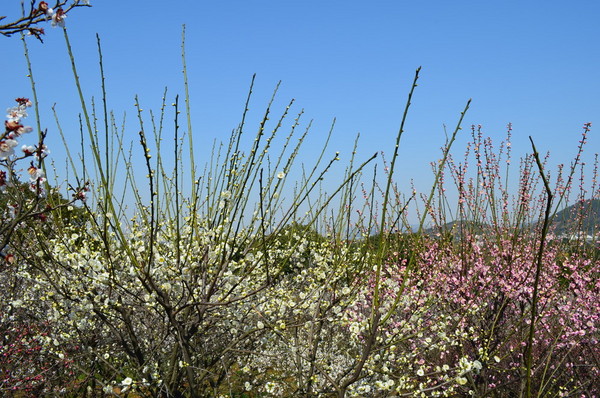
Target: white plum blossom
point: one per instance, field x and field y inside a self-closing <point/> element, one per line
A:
<point x="58" y="19"/>
<point x="35" y="174"/>
<point x="16" y="113"/>
<point x="14" y="128"/>
<point x="126" y="383"/>
<point x="47" y="10"/>
<point x="28" y="149"/>
<point x="7" y="148"/>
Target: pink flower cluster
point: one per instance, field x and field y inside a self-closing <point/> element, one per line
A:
<point x="497" y="277"/>
<point x="477" y="293"/>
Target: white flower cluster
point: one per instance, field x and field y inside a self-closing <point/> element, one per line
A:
<point x="282" y="315"/>
<point x="57" y="17"/>
<point x="14" y="129"/>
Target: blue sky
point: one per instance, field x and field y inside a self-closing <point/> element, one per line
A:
<point x="534" y="64"/>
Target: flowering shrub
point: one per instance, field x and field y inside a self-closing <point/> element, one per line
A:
<point x="24" y="203"/>
<point x="487" y="291"/>
<point x="453" y="330"/>
<point x="18" y="207"/>
<point x="190" y="307"/>
<point x="31" y="363"/>
<point x="222" y="286"/>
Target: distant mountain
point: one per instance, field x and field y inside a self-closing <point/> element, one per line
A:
<point x="457" y="228"/>
<point x="583" y="217"/>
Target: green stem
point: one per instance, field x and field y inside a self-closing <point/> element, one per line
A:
<point x="382" y="238"/>
<point x="538" y="271"/>
<point x="188" y="114"/>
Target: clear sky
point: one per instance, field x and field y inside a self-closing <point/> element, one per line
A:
<point x="535" y="64"/>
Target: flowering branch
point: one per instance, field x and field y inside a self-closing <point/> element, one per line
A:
<point x="43" y="12"/>
<point x="23" y="201"/>
<point x="540" y="253"/>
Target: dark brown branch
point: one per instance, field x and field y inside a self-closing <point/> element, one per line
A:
<point x="27" y="24"/>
